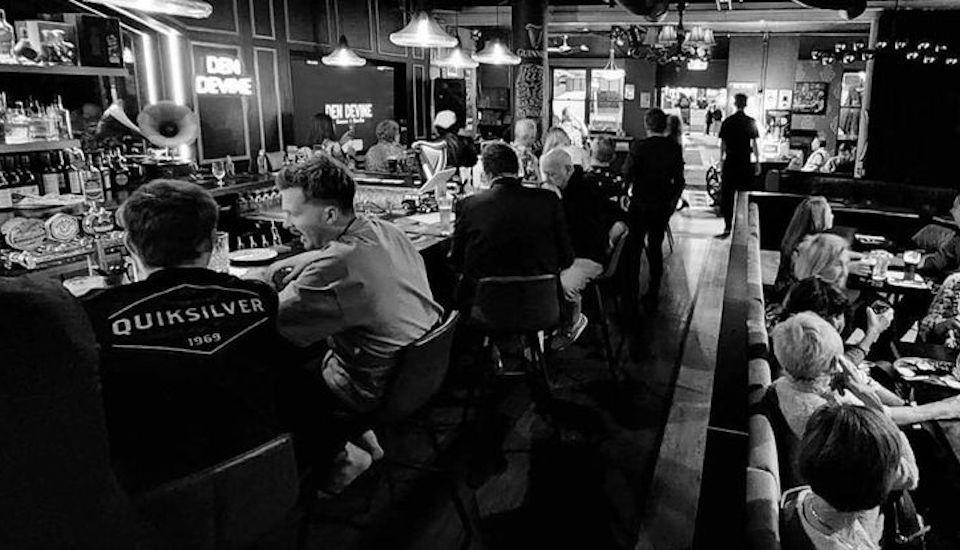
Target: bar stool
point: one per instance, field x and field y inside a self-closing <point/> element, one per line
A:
<point x="609" y="272"/>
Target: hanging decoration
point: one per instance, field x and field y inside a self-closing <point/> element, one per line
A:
<point x="667" y="44"/>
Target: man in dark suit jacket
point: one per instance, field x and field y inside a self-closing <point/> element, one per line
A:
<point x="509" y="229"/>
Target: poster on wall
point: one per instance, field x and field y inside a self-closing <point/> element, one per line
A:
<point x="770" y="98"/>
<point x="784" y="100"/>
<point x="644" y="100"/>
<point x="629" y="90"/>
<point x="810" y="98"/>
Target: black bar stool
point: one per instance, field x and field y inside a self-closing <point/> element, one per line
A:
<point x="609" y="272"/>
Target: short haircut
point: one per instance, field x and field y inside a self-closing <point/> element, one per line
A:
<point x="525" y="127"/>
<point x="850" y="455"/>
<point x="655" y="120"/>
<point x="604" y="150"/>
<point x="555" y="137"/>
<point x="823" y="255"/>
<point x="169" y="222"/>
<point x="388" y="130"/>
<point x="499" y="159"/>
<point x="322" y="179"/>
<point x="806" y="345"/>
<point x="740" y="101"/>
<point x="558" y="156"/>
<point x="817" y="296"/>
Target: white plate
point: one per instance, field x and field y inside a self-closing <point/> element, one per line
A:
<point x="253" y="255"/>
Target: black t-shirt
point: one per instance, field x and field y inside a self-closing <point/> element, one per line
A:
<point x="589" y="216"/>
<point x="736" y="132"/>
<point x="654" y="170"/>
<point x="189" y="362"/>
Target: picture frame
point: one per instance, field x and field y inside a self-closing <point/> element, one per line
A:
<point x="810" y="98"/>
<point x="785" y="100"/>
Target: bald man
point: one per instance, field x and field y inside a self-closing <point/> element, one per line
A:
<point x="590" y="220"/>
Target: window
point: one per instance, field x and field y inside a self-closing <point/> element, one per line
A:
<point x="599" y="106"/>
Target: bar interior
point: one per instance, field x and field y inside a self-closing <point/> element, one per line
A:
<point x="284" y="274"/>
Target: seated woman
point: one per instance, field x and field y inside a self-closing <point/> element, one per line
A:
<point x="811" y="216"/>
<point x="810" y="351"/>
<point x="818" y="155"/>
<point x="852" y="457"/>
<point x="387" y="147"/>
<point x="323" y="137"/>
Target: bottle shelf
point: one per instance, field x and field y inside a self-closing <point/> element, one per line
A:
<point x="64" y="70"/>
<point x="36" y="146"/>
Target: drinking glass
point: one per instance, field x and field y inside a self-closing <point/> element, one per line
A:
<point x="220" y="256"/>
<point x="445" y="204"/>
<point x="879" y="274"/>
<point x="219" y="171"/>
<point x="911" y="259"/>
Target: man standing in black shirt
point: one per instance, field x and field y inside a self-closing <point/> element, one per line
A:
<point x="654" y="171"/>
<point x="738" y="138"/>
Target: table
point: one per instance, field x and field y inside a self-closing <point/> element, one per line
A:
<point x="949" y="429"/>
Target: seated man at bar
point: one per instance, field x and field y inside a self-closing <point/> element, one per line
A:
<point x="187" y="354"/>
<point x="360" y="288"/>
<point x="388" y="147"/>
<point x="509" y="230"/>
<point x="590" y="218"/>
<point x="947" y="259"/>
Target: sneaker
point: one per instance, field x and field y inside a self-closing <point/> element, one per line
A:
<point x="566" y="337"/>
<point x="347" y="467"/>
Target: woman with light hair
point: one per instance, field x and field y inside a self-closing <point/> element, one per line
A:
<point x="524" y="143"/>
<point x="812" y="216"/>
<point x="823" y="255"/>
<point x="556" y="137"/>
<point x="388" y="146"/>
<point x="811" y="353"/>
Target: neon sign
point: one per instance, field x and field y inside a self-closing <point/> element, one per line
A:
<point x="349" y="113"/>
<point x="224" y="77"/>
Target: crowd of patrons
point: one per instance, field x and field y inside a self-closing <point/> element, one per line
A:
<point x="850" y="437"/>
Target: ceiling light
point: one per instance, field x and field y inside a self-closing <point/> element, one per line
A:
<point x="196" y="9"/>
<point x="564" y="46"/>
<point x="423" y="31"/>
<point x="697" y="65"/>
<point x="951" y="61"/>
<point x="343" y="56"/>
<point x="496" y="53"/>
<point x="456" y="59"/>
<point x="610" y="71"/>
<point x="667" y="36"/>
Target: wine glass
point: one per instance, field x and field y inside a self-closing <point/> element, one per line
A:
<point x="219" y="171"/>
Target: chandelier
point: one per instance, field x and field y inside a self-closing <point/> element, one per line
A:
<point x="667" y="44"/>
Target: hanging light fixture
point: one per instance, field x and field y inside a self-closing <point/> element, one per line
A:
<point x="423" y="31"/>
<point x="610" y="71"/>
<point x="343" y="56"/>
<point x="697" y="65"/>
<point x="456" y="58"/>
<point x="667" y="36"/>
<point x="196" y="9"/>
<point x="495" y="52"/>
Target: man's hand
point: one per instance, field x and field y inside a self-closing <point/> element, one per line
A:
<point x="860" y="268"/>
<point x="877" y="323"/>
<point x="281" y="273"/>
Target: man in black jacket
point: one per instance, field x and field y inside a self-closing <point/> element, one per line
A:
<point x="509" y="229"/>
<point x="590" y="216"/>
<point x="654" y="172"/>
<point x="189" y="356"/>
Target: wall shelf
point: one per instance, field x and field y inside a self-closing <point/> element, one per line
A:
<point x="35" y="146"/>
<point x="63" y="70"/>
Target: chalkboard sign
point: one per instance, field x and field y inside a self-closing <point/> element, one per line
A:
<point x="223" y="88"/>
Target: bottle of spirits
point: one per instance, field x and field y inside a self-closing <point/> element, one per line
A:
<point x="106" y="175"/>
<point x="7" y="38"/>
<point x="73" y="173"/>
<point x="121" y="172"/>
<point x="92" y="184"/>
<point x="229" y="167"/>
<point x="59" y="164"/>
<point x="29" y="184"/>
<point x="50" y="178"/>
<point x="66" y="127"/>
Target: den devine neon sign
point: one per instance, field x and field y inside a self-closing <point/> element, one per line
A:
<point x="349" y="113"/>
<point x="224" y="77"/>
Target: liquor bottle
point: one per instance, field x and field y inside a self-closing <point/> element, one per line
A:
<point x="92" y="184"/>
<point x="29" y="184"/>
<point x="106" y="175"/>
<point x="6" y="39"/>
<point x="121" y="172"/>
<point x="50" y="178"/>
<point x="10" y="172"/>
<point x="229" y="167"/>
<point x="66" y="127"/>
<point x="73" y="174"/>
<point x="57" y="163"/>
<point x="262" y="166"/>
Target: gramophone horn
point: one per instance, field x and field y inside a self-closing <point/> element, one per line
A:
<point x="167" y="124"/>
<point x="115" y="122"/>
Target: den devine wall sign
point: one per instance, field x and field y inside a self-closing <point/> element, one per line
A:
<point x="223" y="75"/>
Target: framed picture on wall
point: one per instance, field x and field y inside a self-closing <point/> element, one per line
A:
<point x="785" y="100"/>
<point x="810" y="98"/>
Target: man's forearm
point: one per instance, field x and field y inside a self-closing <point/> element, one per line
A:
<point x="905" y="416"/>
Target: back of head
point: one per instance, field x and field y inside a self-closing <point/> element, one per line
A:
<point x="58" y="482"/>
<point x="446" y="121"/>
<point x="740" y="101"/>
<point x="169" y="222"/>
<point x="323" y="129"/>
<point x="806" y="346"/>
<point x="823" y="255"/>
<point x="656" y="121"/>
<point x="387" y="131"/>
<point x="817" y="296"/>
<point x="813" y="215"/>
<point x="525" y="131"/>
<point x="604" y="150"/>
<point x="849" y="455"/>
<point x="322" y="178"/>
<point x="499" y="159"/>
<point x="555" y="137"/>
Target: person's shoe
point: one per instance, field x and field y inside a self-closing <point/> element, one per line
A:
<point x="368" y="442"/>
<point x="347" y="467"/>
<point x="566" y="337"/>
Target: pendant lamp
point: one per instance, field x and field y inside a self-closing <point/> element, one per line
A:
<point x="423" y="31"/>
<point x="196" y="9"/>
<point x="496" y="53"/>
<point x="610" y="71"/>
<point x="456" y="59"/>
<point x="343" y="56"/>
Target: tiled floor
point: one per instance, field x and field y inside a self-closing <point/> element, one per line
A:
<point x="580" y="479"/>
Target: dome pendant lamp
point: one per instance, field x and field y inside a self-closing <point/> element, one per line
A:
<point x="423" y="31"/>
<point x="495" y="52"/>
<point x="456" y="58"/>
<point x="343" y="56"/>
